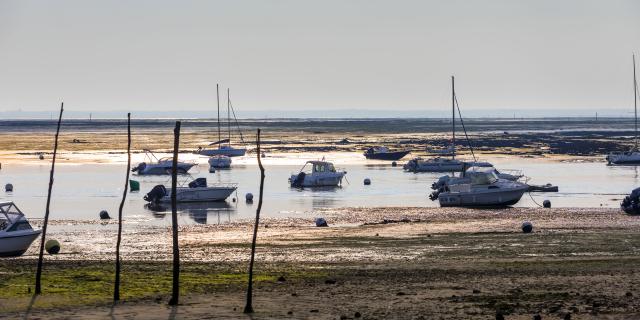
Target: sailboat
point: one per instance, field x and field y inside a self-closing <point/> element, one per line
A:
<point x="631" y="157"/>
<point x="439" y="164"/>
<point x="224" y="145"/>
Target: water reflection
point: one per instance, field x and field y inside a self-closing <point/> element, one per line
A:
<point x="198" y="212"/>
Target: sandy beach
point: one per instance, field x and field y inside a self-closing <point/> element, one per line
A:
<point x="378" y="263"/>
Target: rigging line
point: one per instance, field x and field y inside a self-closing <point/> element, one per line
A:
<point x="236" y="120"/>
<point x="455" y="98"/>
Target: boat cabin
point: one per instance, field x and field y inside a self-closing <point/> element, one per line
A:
<point x="12" y="219"/>
<point x="319" y="167"/>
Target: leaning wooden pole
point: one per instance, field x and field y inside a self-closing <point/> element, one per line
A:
<point x="175" y="293"/>
<point x="116" y="290"/>
<point x="248" y="308"/>
<point x="46" y="212"/>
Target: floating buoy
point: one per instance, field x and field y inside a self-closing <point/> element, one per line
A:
<point x="8" y="187"/>
<point x="104" y="214"/>
<point x="321" y="222"/>
<point x="367" y="181"/>
<point x="264" y="155"/>
<point x="394" y="164"/>
<point x="527" y="227"/>
<point x="41" y="157"/>
<point x="134" y="185"/>
<point x="52" y="246"/>
<point x="249" y="197"/>
<point x="546" y="204"/>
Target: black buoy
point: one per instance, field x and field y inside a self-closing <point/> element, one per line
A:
<point x="248" y="197"/>
<point x="104" y="214"/>
<point x="367" y="181"/>
<point x="527" y="227"/>
<point x="321" y="222"/>
<point x="394" y="164"/>
<point x="8" y="187"/>
<point x="41" y="157"/>
<point x="546" y="204"/>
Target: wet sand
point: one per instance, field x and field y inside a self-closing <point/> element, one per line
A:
<point x="399" y="263"/>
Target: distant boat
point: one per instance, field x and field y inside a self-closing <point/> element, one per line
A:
<point x="219" y="162"/>
<point x="16" y="234"/>
<point x="439" y="164"/>
<point x="155" y="166"/>
<point x="383" y="153"/>
<point x="629" y="157"/>
<point x="197" y="191"/>
<point x="317" y="174"/>
<point x="224" y="150"/>
<point x="484" y="189"/>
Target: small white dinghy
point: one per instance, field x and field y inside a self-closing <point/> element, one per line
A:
<point x="219" y="162"/>
<point x="16" y="234"/>
<point x="197" y="191"/>
<point x="320" y="174"/>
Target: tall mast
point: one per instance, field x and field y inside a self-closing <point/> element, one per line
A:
<point x="453" y="116"/>
<point x="635" y="101"/>
<point x="218" y="99"/>
<point x="228" y="116"/>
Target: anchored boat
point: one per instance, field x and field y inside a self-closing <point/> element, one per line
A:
<point x="631" y="157"/>
<point x="154" y="166"/>
<point x="196" y="191"/>
<point x="383" y="153"/>
<point x="317" y="174"/>
<point x="484" y="189"/>
<point x="219" y="162"/>
<point x="224" y="150"/>
<point x="16" y="234"/>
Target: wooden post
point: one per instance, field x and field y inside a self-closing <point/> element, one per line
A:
<point x="175" y="293"/>
<point x="116" y="290"/>
<point x="248" y="308"/>
<point x="46" y="212"/>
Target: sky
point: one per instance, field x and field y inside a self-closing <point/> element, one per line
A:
<point x="318" y="58"/>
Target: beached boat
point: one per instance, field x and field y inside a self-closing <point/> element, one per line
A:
<point x="631" y="203"/>
<point x="484" y="189"/>
<point x="317" y="174"/>
<point x="224" y="150"/>
<point x="219" y="162"/>
<point x="631" y="157"/>
<point x="154" y="166"/>
<point x="16" y="234"/>
<point x="383" y="153"/>
<point x="197" y="191"/>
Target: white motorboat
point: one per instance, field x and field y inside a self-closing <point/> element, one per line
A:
<point x="631" y="157"/>
<point x="16" y="234"/>
<point x="219" y="162"/>
<point x="484" y="189"/>
<point x="317" y="174"/>
<point x="224" y="150"/>
<point x="511" y="175"/>
<point x="441" y="165"/>
<point x="197" y="191"/>
<point x="154" y="166"/>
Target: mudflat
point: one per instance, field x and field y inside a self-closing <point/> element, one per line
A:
<point x="370" y="263"/>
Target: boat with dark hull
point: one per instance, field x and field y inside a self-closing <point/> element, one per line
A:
<point x="383" y="153"/>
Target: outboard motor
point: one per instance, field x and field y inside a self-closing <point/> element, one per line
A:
<point x="297" y="183"/>
<point x="140" y="167"/>
<point x="434" y="195"/>
<point x="157" y="193"/>
<point x="631" y="203"/>
<point x="198" y="183"/>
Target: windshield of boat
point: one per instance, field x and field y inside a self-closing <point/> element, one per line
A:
<point x="323" y="167"/>
<point x="484" y="178"/>
<point x="9" y="214"/>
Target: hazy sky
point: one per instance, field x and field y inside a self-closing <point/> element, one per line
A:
<point x="293" y="55"/>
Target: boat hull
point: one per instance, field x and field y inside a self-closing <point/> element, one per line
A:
<point x="487" y="199"/>
<point x="156" y="169"/>
<point x="390" y="156"/>
<point x="16" y="243"/>
<point x="224" y="152"/>
<point x="201" y="194"/>
<point x="325" y="180"/>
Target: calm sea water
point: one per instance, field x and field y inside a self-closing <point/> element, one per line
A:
<point x="82" y="190"/>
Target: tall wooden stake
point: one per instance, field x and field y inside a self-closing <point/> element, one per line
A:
<point x="175" y="293"/>
<point x="248" y="308"/>
<point x="116" y="290"/>
<point x="46" y="212"/>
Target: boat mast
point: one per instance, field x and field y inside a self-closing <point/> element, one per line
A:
<point x="228" y="116"/>
<point x="218" y="99"/>
<point x="635" y="101"/>
<point x="453" y="117"/>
